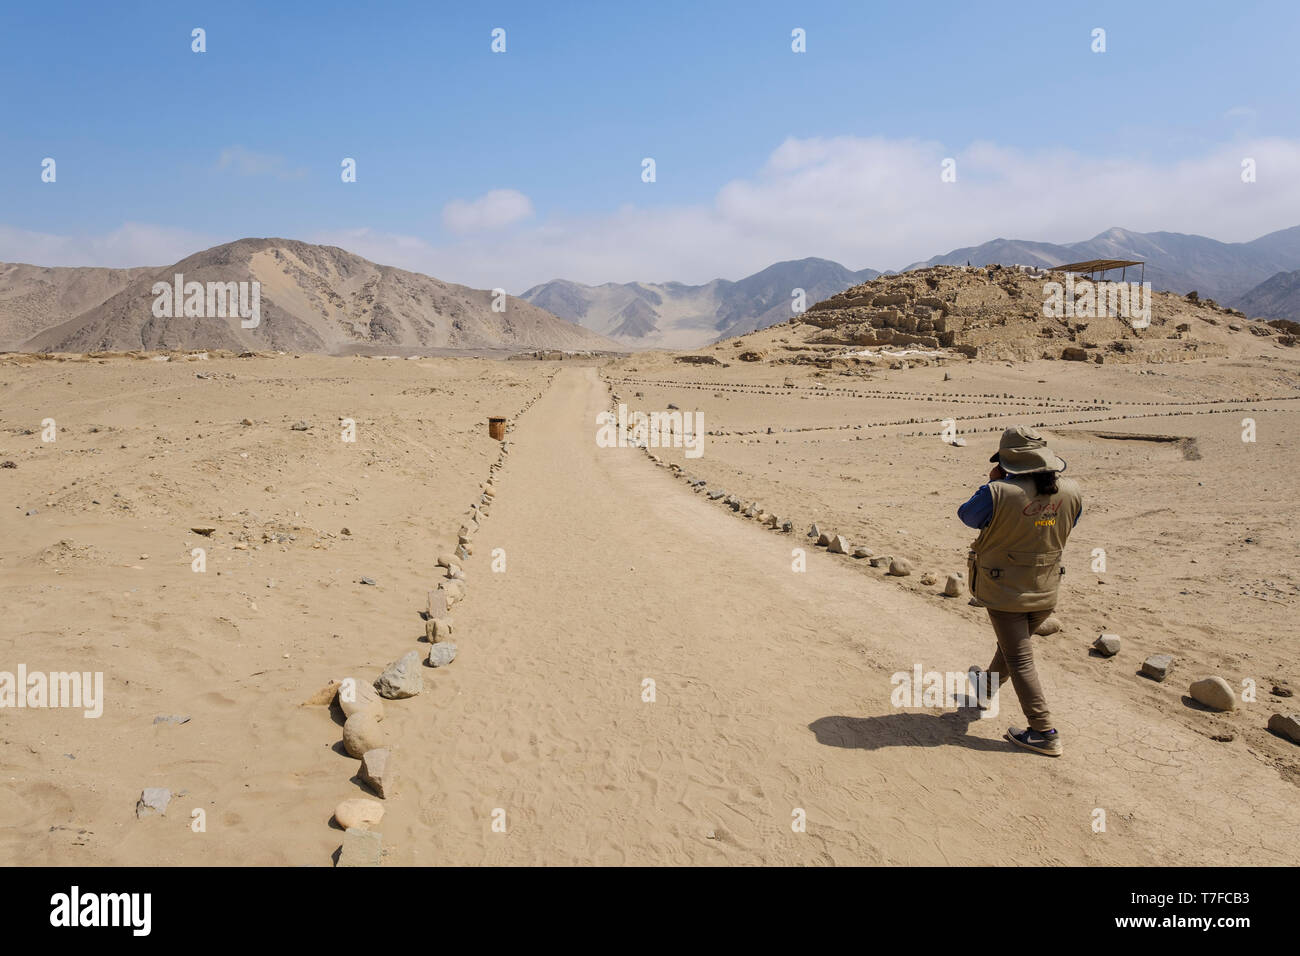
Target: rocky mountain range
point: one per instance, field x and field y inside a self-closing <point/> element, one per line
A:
<point x="310" y="298"/>
<point x="673" y="315"/>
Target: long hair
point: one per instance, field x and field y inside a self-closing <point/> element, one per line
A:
<point x="1044" y="482"/>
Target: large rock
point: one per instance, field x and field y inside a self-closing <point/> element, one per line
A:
<point x="360" y="848"/>
<point x="1214" y="692"/>
<point x="1158" y="666"/>
<point x="356" y="696"/>
<point x="441" y="654"/>
<point x="838" y="545"/>
<point x="359" y="813"/>
<point x="900" y="567"/>
<point x="402" y="678"/>
<point x="1286" y="725"/>
<point x="362" y="732"/>
<point x="438" y="629"/>
<point x="1107" y="645"/>
<point x="377" y="770"/>
<point x="952" y="587"/>
<point x="824" y="539"/>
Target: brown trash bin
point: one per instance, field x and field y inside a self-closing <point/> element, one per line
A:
<point x="497" y="428"/>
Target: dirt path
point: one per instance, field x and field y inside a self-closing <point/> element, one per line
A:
<point x="772" y="693"/>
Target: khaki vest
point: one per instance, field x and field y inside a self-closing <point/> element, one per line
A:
<point x="1015" y="563"/>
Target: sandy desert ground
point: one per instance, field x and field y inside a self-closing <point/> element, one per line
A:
<point x="772" y="687"/>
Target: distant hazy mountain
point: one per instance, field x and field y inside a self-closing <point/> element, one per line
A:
<point x="677" y="316"/>
<point x="1277" y="297"/>
<point x="312" y="298"/>
<point x="1174" y="262"/>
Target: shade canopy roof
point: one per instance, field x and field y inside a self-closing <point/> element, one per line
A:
<point x="1097" y="265"/>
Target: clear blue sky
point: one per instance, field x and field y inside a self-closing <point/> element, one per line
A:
<point x="137" y="122"/>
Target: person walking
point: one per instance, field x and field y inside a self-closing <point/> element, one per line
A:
<point x="1024" y="514"/>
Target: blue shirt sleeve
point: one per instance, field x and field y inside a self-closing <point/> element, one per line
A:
<point x="978" y="511"/>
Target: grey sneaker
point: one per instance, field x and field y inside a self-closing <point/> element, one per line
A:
<point x="1048" y="743"/>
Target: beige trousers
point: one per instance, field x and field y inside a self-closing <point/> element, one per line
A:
<point x="1015" y="658"/>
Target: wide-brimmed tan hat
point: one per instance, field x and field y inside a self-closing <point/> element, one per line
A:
<point x="1022" y="450"/>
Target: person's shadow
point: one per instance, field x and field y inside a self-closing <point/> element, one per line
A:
<point x="904" y="730"/>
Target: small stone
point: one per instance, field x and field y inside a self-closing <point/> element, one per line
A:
<point x="1107" y="644"/>
<point x="325" y="696"/>
<point x="1213" y="692"/>
<point x="814" y="531"/>
<point x="360" y="848"/>
<point x="881" y="560"/>
<point x="377" y="771"/>
<point x="838" y="545"/>
<point x="172" y="719"/>
<point x="1158" y="666"/>
<point x="787" y="526"/>
<point x="359" y="813"/>
<point x="1286" y="725"/>
<point x="369" y="581"/>
<point x="715" y="494"/>
<point x="437" y="629"/>
<point x="402" y="678"/>
<point x="361" y="732"/>
<point x="928" y="578"/>
<point x="900" y="567"/>
<point x="862" y="552"/>
<point x="300" y="426"/>
<point x="1049" y="626"/>
<point x="1280" y="691"/>
<point x="952" y="587"/>
<point x="204" y="529"/>
<point x="246" y="422"/>
<point x="152" y="800"/>
<point x="448" y="561"/>
<point x="823" y="539"/>
<point x="441" y="654"/>
<point x="356" y="696"/>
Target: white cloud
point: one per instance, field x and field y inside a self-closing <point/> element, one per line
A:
<point x="131" y="244"/>
<point x="879" y="203"/>
<point x="863" y="202"/>
<point x="493" y="210"/>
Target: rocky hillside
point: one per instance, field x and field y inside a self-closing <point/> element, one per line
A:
<point x="313" y="299"/>
<point x="1277" y="297"/>
<point x="34" y="297"/>
<point x="992" y="313"/>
